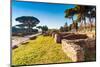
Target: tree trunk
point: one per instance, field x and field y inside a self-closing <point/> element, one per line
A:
<point x="90" y="19"/>
<point x="84" y="23"/>
<point x="90" y="24"/>
<point x="72" y="19"/>
<point x="29" y="28"/>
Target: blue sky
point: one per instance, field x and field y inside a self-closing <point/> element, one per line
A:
<point x="51" y="15"/>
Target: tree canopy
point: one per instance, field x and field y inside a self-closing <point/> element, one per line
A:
<point x="43" y="28"/>
<point x="29" y="21"/>
<point x="82" y="12"/>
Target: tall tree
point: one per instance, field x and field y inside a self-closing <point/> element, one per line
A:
<point x="75" y="25"/>
<point x="91" y="15"/>
<point x="43" y="28"/>
<point x="61" y="29"/>
<point x="83" y="12"/>
<point x="69" y="13"/>
<point x="65" y="28"/>
<point x="70" y="27"/>
<point x="28" y="21"/>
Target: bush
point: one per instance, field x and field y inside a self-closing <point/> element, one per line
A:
<point x="14" y="46"/>
<point x="26" y="42"/>
<point x="32" y="38"/>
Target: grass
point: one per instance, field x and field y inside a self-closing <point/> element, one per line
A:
<point x="42" y="50"/>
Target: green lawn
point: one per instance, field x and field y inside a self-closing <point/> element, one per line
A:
<point x="42" y="50"/>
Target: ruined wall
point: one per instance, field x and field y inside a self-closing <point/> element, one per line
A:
<point x="68" y="36"/>
<point x="57" y="38"/>
<point x="80" y="49"/>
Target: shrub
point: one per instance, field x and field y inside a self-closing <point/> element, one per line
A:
<point x="32" y="38"/>
<point x="24" y="43"/>
<point x="14" y="46"/>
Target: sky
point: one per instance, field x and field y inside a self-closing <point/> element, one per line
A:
<point x="51" y="15"/>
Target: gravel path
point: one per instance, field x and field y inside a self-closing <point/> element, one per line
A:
<point x="17" y="40"/>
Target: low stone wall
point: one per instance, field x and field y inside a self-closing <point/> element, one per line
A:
<point x="80" y="49"/>
<point x="53" y="35"/>
<point x="68" y="36"/>
<point x="59" y="36"/>
<point x="77" y="46"/>
<point x="89" y="34"/>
